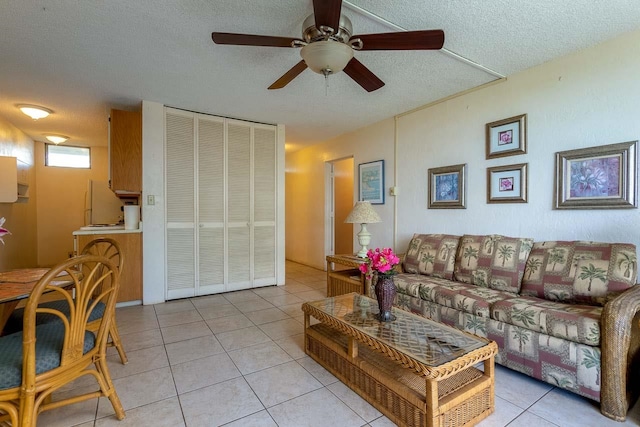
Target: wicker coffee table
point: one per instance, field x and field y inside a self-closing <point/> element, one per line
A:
<point x="416" y="371"/>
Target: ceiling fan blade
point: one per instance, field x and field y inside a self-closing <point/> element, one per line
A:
<point x="252" y="40"/>
<point x="404" y="40"/>
<point x="289" y="75"/>
<point x="327" y="13"/>
<point x="363" y="76"/>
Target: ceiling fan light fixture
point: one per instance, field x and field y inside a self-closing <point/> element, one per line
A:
<point x="56" y="139"/>
<point x="34" y="111"/>
<point x="326" y="57"/>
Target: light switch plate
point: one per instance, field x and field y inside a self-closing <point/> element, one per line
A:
<point x="151" y="199"/>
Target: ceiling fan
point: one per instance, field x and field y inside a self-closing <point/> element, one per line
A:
<point x="327" y="45"/>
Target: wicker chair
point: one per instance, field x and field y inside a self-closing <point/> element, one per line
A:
<point x="108" y="248"/>
<point x="42" y="358"/>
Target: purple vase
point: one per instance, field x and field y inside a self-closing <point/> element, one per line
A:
<point x="385" y="293"/>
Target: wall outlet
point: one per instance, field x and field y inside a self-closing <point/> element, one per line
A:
<point x="393" y="191"/>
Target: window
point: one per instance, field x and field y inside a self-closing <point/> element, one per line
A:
<point x="67" y="157"/>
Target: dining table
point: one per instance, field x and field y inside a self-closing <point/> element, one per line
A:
<point x="16" y="285"/>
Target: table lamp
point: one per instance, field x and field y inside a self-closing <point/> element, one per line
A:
<point x="363" y="213"/>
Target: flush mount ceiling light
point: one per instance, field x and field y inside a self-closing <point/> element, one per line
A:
<point x="34" y="111"/>
<point x="57" y="139"/>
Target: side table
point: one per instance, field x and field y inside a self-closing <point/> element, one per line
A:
<point x="343" y="275"/>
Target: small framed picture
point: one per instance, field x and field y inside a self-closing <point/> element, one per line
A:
<point x="507" y="184"/>
<point x="602" y="177"/>
<point x="506" y="137"/>
<point x="447" y="187"/>
<point x="371" y="182"/>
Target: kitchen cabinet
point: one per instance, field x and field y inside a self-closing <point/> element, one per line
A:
<point x="8" y="179"/>
<point x="125" y="152"/>
<point x="130" y="242"/>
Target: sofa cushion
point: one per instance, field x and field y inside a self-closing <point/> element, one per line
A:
<point x="460" y="296"/>
<point x="432" y="255"/>
<point x="579" y="272"/>
<point x="492" y="261"/>
<point x="573" y="322"/>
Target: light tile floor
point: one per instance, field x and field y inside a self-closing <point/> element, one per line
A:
<point x="236" y="359"/>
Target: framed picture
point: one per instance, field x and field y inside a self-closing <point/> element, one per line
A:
<point x="507" y="137"/>
<point x="603" y="177"/>
<point x="507" y="184"/>
<point x="447" y="187"/>
<point x="371" y="178"/>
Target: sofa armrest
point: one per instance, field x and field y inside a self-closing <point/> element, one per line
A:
<point x="620" y="352"/>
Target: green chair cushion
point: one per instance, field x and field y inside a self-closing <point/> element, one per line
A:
<point x="49" y="340"/>
<point x="15" y="322"/>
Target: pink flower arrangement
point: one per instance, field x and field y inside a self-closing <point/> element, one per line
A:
<point x="3" y="231"/>
<point x="380" y="261"/>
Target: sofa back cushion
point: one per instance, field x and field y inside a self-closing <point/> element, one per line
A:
<point x="492" y="261"/>
<point x="579" y="272"/>
<point x="431" y="255"/>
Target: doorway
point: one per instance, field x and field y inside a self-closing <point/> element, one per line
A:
<point x="340" y="183"/>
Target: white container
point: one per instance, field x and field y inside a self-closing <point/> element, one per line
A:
<point x="131" y="217"/>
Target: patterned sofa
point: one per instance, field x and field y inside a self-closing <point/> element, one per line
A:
<point x="564" y="312"/>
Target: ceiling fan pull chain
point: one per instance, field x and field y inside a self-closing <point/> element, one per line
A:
<point x="326" y="84"/>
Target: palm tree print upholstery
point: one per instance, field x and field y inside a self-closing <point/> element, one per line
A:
<point x="492" y="261"/>
<point x="432" y="255"/>
<point x="579" y="272"/>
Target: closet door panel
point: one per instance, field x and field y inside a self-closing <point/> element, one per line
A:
<point x="264" y="213"/>
<point x="238" y="250"/>
<point x="211" y="180"/>
<point x="181" y="275"/>
<point x="210" y="201"/>
<point x="264" y="255"/>
<point x="180" y="212"/>
<point x="239" y="173"/>
<point x="211" y="261"/>
<point x="179" y="167"/>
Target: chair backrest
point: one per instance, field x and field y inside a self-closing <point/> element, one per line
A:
<point x="105" y="247"/>
<point x="81" y="276"/>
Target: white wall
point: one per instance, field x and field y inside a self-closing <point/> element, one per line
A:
<point x="153" y="290"/>
<point x="582" y="100"/>
<point x="305" y="190"/>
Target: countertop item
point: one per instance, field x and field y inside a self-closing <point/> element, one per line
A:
<point x="108" y="229"/>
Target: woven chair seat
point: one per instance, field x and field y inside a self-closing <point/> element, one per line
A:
<point x="14" y="324"/>
<point x="49" y="341"/>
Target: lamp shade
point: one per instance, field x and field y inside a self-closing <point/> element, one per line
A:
<point x="326" y="57"/>
<point x="362" y="213"/>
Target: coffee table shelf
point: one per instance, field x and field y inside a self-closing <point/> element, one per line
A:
<point x="380" y="365"/>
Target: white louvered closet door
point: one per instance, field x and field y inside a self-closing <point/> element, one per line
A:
<point x="180" y="205"/>
<point x="221" y="209"/>
<point x="211" y="182"/>
<point x="239" y="205"/>
<point x="264" y="209"/>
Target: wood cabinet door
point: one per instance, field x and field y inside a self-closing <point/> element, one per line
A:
<point x="125" y="151"/>
<point x="131" y="276"/>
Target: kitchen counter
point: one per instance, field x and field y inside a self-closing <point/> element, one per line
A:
<point x="111" y="229"/>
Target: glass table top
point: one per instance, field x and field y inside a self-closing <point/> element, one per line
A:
<point x="430" y="343"/>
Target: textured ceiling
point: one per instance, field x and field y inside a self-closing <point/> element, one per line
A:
<point x="81" y="58"/>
